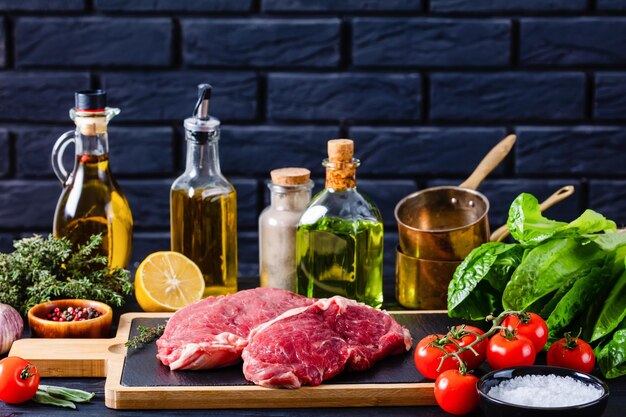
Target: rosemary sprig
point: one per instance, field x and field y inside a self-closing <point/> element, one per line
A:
<point x="146" y="335"/>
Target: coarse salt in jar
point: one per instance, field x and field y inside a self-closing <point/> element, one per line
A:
<point x="290" y="193"/>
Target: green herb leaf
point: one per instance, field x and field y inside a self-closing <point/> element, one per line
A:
<point x="547" y="267"/>
<point x="146" y="335"/>
<point x="42" y="397"/>
<point x="476" y="287"/>
<point x="44" y="269"/>
<point x="529" y="227"/>
<point x="611" y="355"/>
<point x="578" y="298"/>
<point x="69" y="394"/>
<point x="613" y="311"/>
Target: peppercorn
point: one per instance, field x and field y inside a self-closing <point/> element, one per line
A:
<point x="73" y="314"/>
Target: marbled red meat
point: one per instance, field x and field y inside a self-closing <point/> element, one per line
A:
<point x="307" y="345"/>
<point x="212" y="332"/>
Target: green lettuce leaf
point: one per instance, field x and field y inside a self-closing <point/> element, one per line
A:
<point x="476" y="287"/>
<point x="611" y="353"/>
<point x="613" y="310"/>
<point x="578" y="298"/>
<point x="529" y="227"/>
<point x="547" y="267"/>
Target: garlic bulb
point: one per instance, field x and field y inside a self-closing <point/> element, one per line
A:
<point x="11" y="327"/>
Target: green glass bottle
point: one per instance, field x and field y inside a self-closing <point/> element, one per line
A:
<point x="339" y="240"/>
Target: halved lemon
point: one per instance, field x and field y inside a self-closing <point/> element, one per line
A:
<point x="168" y="281"/>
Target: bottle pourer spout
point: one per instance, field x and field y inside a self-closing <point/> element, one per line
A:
<point x="201" y="111"/>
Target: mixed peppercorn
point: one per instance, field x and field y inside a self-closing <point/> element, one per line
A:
<point x="73" y="314"/>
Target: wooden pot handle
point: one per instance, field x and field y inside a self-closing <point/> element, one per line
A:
<point x="561" y="194"/>
<point x="489" y="162"/>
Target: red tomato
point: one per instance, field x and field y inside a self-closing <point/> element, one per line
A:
<point x="506" y="349"/>
<point x="19" y="380"/>
<point x="572" y="352"/>
<point x="456" y="393"/>
<point x="428" y="356"/>
<point x="464" y="335"/>
<point x="529" y="325"/>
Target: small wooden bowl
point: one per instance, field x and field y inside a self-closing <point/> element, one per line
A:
<point x="99" y="327"/>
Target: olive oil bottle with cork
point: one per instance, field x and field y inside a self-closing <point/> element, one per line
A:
<point x="339" y="239"/>
<point x="203" y="204"/>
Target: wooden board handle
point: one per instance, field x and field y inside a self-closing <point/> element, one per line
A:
<point x="58" y="357"/>
<point x="78" y="357"/>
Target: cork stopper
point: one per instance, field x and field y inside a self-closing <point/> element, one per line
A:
<point x="290" y="176"/>
<point x="340" y="150"/>
<point x="340" y="165"/>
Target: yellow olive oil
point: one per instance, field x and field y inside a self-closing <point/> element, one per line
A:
<point x="340" y="257"/>
<point x="204" y="228"/>
<point x="93" y="203"/>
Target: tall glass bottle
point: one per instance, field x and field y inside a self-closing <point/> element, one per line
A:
<point x="339" y="240"/>
<point x="91" y="201"/>
<point x="203" y="204"/>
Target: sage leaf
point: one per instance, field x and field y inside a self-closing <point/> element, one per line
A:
<point x="42" y="397"/>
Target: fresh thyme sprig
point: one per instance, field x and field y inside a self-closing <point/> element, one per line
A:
<point x="43" y="269"/>
<point x="146" y="335"/>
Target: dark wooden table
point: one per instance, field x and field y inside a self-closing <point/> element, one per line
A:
<point x="616" y="406"/>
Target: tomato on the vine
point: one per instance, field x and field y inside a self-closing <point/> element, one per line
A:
<point x="464" y="335"/>
<point x="571" y="352"/>
<point x="428" y="354"/>
<point x="529" y="325"/>
<point x="19" y="380"/>
<point x="456" y="393"/>
<point x="507" y="349"/>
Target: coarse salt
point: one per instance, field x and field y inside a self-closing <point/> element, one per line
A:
<point x="545" y="391"/>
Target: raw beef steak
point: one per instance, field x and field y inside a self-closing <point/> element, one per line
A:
<point x="212" y="333"/>
<point x="310" y="344"/>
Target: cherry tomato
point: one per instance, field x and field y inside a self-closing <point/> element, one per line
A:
<point x="529" y="325"/>
<point x="507" y="349"/>
<point x="572" y="352"/>
<point x="456" y="393"/>
<point x="19" y="380"/>
<point x="464" y="335"/>
<point x="428" y="356"/>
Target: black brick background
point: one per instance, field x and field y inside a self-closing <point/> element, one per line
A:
<point x="424" y="87"/>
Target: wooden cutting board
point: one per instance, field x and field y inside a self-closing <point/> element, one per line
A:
<point x="135" y="379"/>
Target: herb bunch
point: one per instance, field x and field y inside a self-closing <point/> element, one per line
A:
<point x="43" y="269"/>
<point x="146" y="336"/>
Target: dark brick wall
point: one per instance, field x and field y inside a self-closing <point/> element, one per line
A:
<point x="425" y="87"/>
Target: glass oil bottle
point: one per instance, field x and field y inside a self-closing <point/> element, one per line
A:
<point x="203" y="204"/>
<point x="91" y="201"/>
<point x="339" y="239"/>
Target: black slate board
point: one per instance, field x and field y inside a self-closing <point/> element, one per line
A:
<point x="143" y="369"/>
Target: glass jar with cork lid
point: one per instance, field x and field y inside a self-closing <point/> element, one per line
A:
<point x="290" y="193"/>
<point x="339" y="243"/>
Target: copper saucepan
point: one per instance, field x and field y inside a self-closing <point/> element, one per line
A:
<point x="446" y="223"/>
<point x="423" y="284"/>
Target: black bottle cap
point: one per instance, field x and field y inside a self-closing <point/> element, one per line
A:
<point x="90" y="99"/>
